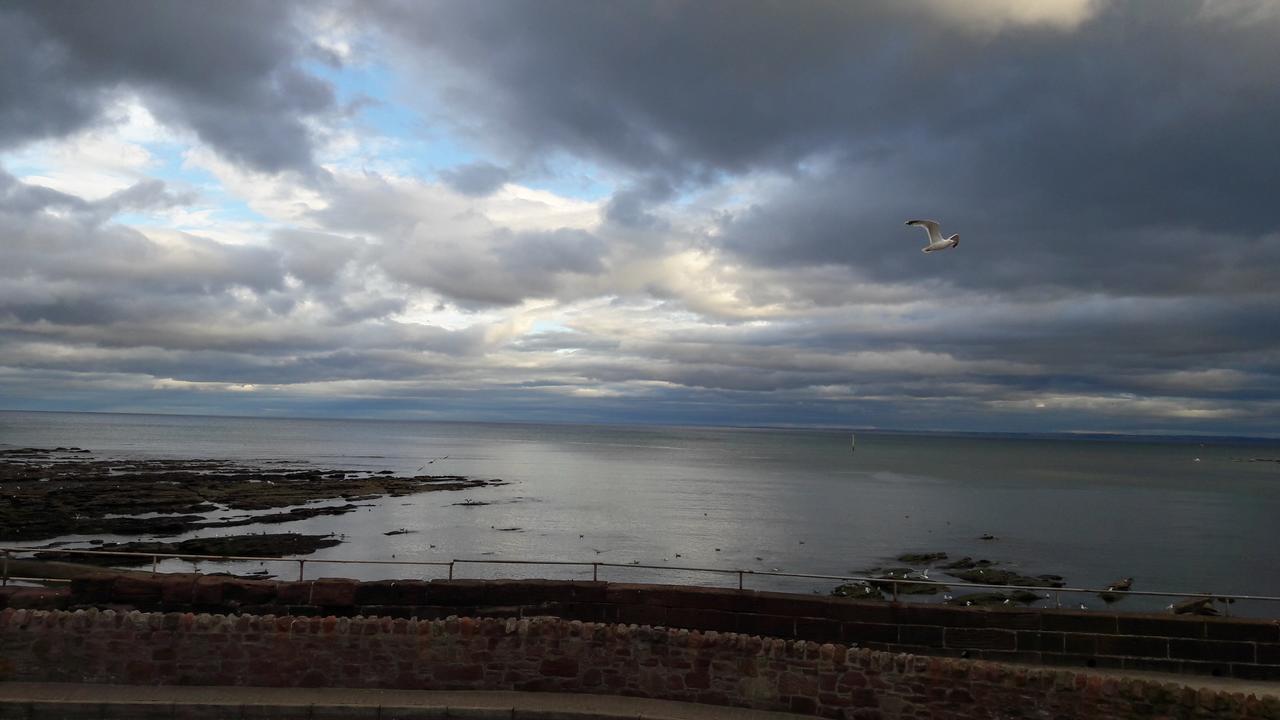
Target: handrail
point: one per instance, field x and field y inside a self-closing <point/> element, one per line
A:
<point x="7" y="552"/>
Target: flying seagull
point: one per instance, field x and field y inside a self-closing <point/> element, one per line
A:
<point x="936" y="241"/>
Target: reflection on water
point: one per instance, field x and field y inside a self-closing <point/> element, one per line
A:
<point x="799" y="501"/>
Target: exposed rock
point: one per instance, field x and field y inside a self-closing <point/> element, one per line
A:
<point x="1024" y="597"/>
<point x="922" y="558"/>
<point x="966" y="563"/>
<point x="1114" y="590"/>
<point x="274" y="545"/>
<point x="1195" y="606"/>
<point x="996" y="576"/>
<point x="47" y="493"/>
<point x="907" y="580"/>
<point x="858" y="591"/>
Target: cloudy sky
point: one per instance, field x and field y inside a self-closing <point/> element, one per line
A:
<point x="664" y="211"/>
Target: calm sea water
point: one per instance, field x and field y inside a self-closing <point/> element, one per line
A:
<point x="760" y="499"/>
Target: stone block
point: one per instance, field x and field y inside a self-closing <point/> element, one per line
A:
<point x="723" y="599"/>
<point x="559" y="667"/>
<point x="294" y="593"/>
<point x="980" y="638"/>
<point x="93" y="589"/>
<point x="378" y="592"/>
<point x="775" y="603"/>
<point x="334" y="592"/>
<point x="1133" y="646"/>
<point x="457" y="592"/>
<point x="1245" y="671"/>
<point x="1009" y="656"/>
<point x="700" y="619"/>
<point x="1180" y="627"/>
<point x="861" y="633"/>
<point x="1032" y="641"/>
<point x="1213" y="650"/>
<point x="585" y="611"/>
<point x="1152" y="664"/>
<point x="817" y="629"/>
<point x="409" y="592"/>
<point x="1240" y="630"/>
<point x="625" y="593"/>
<point x="589" y="590"/>
<point x="1268" y="653"/>
<point x="1010" y="619"/>
<point x="862" y="611"/>
<point x="178" y="589"/>
<point x="780" y="626"/>
<point x="1078" y="622"/>
<point x="1069" y="659"/>
<point x="527" y="592"/>
<point x="941" y="616"/>
<point x="642" y="615"/>
<point x="207" y="591"/>
<point x="38" y="598"/>
<point x="241" y="591"/>
<point x="137" y="590"/>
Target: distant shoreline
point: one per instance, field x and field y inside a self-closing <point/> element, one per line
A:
<point x="1087" y="436"/>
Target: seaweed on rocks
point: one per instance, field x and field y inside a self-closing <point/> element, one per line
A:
<point x="49" y="493"/>
<point x="268" y="545"/>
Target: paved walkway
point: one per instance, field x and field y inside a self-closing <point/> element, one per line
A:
<point x="45" y="701"/>
<point x="20" y="701"/>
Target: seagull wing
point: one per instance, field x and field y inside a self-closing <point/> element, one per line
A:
<point x="930" y="226"/>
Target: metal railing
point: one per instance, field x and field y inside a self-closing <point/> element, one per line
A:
<point x="895" y="584"/>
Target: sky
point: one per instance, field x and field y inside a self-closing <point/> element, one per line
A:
<point x="671" y="211"/>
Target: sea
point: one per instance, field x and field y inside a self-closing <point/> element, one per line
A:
<point x="1180" y="515"/>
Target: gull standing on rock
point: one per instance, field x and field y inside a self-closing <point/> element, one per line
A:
<point x="936" y="241"/>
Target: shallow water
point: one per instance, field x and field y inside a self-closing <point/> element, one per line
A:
<point x="1092" y="511"/>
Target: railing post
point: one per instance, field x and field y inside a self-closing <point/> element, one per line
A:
<point x="595" y="571"/>
<point x="450" y="569"/>
<point x="155" y="563"/>
<point x="6" y="568"/>
<point x="895" y="591"/>
<point x="739" y="579"/>
<point x="302" y="564"/>
<point x="1057" y="598"/>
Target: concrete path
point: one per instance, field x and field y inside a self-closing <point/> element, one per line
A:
<point x="72" y="701"/>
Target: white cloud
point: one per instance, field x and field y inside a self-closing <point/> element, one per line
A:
<point x="993" y="14"/>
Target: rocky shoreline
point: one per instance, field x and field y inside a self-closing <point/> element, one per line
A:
<point x="911" y="578"/>
<point x="59" y="492"/>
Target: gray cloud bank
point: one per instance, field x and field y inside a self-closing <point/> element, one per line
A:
<point x="1112" y="178"/>
<point x="231" y="72"/>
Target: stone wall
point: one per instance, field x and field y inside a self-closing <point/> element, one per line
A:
<point x="1228" y="647"/>
<point x="549" y="654"/>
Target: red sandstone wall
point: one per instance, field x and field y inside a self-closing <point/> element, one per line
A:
<point x="1166" y="643"/>
<point x="556" y="655"/>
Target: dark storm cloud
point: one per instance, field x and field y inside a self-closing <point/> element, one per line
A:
<point x="476" y="179"/>
<point x="229" y="71"/>
<point x="632" y="206"/>
<point x="1054" y="145"/>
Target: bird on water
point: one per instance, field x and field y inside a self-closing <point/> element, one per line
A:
<point x="936" y="241"/>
